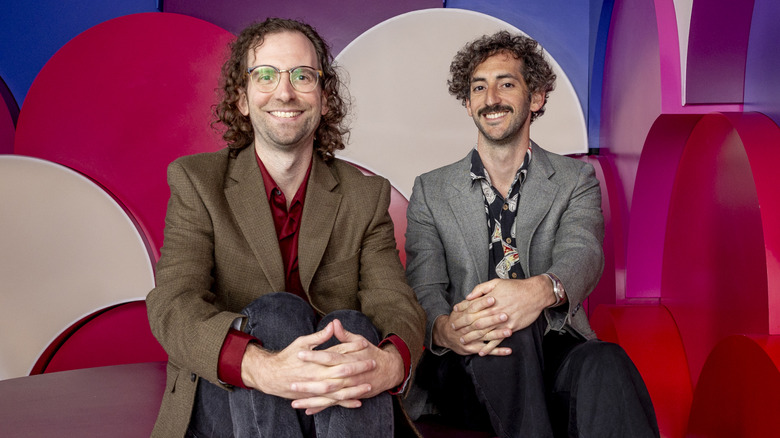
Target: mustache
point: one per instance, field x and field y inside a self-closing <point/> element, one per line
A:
<point x="494" y="109"/>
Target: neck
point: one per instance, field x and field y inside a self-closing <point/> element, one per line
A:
<point x="502" y="161"/>
<point x="287" y="168"/>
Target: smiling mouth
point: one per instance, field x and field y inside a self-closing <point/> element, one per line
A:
<point x="285" y="114"/>
<point x="496" y="115"/>
<point x="495" y="112"/>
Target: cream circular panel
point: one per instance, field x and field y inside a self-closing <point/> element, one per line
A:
<point x="67" y="250"/>
<point x="405" y="122"/>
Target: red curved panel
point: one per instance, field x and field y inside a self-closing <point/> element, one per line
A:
<point x="122" y="100"/>
<point x="649" y="335"/>
<point x="715" y="268"/>
<point x="737" y="392"/>
<point x="119" y="335"/>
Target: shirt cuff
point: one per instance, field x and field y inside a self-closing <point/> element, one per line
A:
<point x="400" y="345"/>
<point x="231" y="355"/>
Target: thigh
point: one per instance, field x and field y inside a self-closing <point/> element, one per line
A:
<point x="211" y="413"/>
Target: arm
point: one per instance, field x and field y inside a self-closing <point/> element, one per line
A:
<point x="182" y="314"/>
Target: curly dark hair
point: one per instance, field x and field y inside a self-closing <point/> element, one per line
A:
<point x="332" y="129"/>
<point x="537" y="72"/>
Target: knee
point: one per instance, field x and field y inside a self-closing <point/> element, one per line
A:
<point x="605" y="357"/>
<point x="279" y="311"/>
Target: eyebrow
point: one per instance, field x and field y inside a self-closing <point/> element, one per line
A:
<point x="499" y="77"/>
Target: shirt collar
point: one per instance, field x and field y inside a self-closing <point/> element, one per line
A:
<point x="272" y="188"/>
<point x="478" y="171"/>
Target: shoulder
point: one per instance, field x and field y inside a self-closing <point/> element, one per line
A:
<point x="207" y="159"/>
<point x="352" y="178"/>
<point x="207" y="168"/>
<point x="445" y="175"/>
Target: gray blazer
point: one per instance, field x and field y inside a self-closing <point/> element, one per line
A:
<point x="559" y="226"/>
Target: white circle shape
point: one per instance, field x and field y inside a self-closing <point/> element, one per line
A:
<point x="68" y="249"/>
<point x="404" y="121"/>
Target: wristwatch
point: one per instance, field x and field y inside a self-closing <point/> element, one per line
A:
<point x="558" y="291"/>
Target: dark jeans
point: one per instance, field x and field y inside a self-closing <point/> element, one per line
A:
<point x="554" y="385"/>
<point x="278" y="319"/>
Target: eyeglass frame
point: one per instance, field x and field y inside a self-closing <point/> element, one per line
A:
<point x="289" y="76"/>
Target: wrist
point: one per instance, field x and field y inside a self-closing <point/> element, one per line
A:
<point x="558" y="292"/>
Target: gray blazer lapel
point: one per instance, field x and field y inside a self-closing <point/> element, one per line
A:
<point x="468" y="207"/>
<point x="319" y="214"/>
<point x="246" y="196"/>
<point x="536" y="198"/>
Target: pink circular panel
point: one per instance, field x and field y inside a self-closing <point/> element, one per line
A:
<point x="122" y="100"/>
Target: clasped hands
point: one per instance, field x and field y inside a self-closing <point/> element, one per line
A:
<point x="317" y="379"/>
<point x="491" y="313"/>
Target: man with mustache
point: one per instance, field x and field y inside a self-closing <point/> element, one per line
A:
<point x="502" y="248"/>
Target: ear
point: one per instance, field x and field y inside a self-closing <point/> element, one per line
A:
<point x="468" y="107"/>
<point x="243" y="103"/>
<point x="537" y="101"/>
<point x="325" y="107"/>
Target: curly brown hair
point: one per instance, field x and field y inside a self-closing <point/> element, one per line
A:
<point x="238" y="132"/>
<point x="537" y="72"/>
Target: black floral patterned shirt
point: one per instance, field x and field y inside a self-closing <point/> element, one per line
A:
<point x="503" y="260"/>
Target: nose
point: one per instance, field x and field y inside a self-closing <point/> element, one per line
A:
<point x="284" y="90"/>
<point x="491" y="96"/>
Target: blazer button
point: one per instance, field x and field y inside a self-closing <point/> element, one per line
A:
<point x="193" y="377"/>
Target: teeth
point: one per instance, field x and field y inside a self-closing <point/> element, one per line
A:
<point x="496" y="115"/>
<point x="285" y="114"/>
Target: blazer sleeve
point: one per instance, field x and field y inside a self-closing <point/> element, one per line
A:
<point x="384" y="295"/>
<point x="426" y="266"/>
<point x="181" y="309"/>
<point x="577" y="254"/>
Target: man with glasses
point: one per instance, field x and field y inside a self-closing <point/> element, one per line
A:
<point x="502" y="249"/>
<point x="280" y="297"/>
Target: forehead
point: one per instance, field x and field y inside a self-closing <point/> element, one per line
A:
<point x="284" y="50"/>
<point x="500" y="64"/>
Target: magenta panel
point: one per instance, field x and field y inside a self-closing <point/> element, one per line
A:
<point x="652" y="194"/>
<point x="714" y="278"/>
<point x="717" y="49"/>
<point x="631" y="99"/>
<point x="339" y="23"/>
<point x="122" y="100"/>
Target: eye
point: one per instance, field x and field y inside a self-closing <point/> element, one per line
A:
<point x="264" y="75"/>
<point x="477" y="88"/>
<point x="303" y="75"/>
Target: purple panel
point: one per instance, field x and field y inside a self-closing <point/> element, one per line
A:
<point x="9" y="112"/>
<point x="338" y="24"/>
<point x="139" y="94"/>
<point x="717" y="49"/>
<point x="762" y="73"/>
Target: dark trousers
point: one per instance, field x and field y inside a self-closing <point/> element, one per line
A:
<point x="278" y="319"/>
<point x="554" y="385"/>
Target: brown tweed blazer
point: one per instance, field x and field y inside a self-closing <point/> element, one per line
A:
<point x="221" y="252"/>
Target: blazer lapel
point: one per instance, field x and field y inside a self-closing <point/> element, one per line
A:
<point x="536" y="198"/>
<point x="468" y="207"/>
<point x="319" y="215"/>
<point x="246" y="196"/>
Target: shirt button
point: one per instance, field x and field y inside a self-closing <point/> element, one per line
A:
<point x="514" y="275"/>
<point x="508" y="240"/>
<point x="506" y="207"/>
<point x="277" y="192"/>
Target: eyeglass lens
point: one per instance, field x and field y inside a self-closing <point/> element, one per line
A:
<point x="267" y="78"/>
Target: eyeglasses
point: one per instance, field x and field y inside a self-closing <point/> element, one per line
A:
<point x="267" y="77"/>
